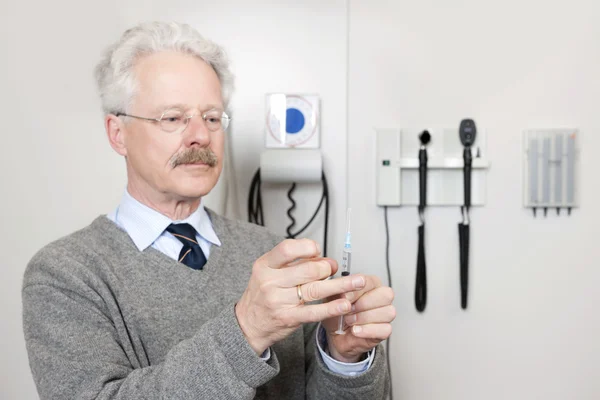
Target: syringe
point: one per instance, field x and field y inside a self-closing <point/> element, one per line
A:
<point x="346" y="264"/>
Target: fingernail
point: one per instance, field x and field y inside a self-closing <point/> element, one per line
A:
<point x="350" y="319"/>
<point x="343" y="307"/>
<point x="358" y="282"/>
<point x="356" y="329"/>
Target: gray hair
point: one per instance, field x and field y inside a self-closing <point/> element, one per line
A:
<point x="114" y="73"/>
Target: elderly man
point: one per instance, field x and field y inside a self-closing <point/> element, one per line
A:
<point x="164" y="299"/>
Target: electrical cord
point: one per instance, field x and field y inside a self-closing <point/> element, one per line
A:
<point x="256" y="215"/>
<point x="389" y="273"/>
<point x="326" y="228"/>
<point x="421" y="275"/>
<point x="324" y="198"/>
<point x="289" y="211"/>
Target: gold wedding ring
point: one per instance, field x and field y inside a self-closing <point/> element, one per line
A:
<point x="299" y="291"/>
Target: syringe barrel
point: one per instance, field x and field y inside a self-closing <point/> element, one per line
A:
<point x="346" y="262"/>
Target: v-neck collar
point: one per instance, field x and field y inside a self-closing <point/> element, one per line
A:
<point x="161" y="260"/>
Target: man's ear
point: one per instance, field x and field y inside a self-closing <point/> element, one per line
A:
<point x="115" y="130"/>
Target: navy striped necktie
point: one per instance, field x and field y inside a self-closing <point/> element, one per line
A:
<point x="191" y="254"/>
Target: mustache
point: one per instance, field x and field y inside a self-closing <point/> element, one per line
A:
<point x="195" y="155"/>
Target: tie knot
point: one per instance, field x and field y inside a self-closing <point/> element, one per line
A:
<point x="191" y="254"/>
<point x="184" y="232"/>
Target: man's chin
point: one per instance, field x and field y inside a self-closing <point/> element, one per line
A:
<point x="195" y="188"/>
<point x="194" y="181"/>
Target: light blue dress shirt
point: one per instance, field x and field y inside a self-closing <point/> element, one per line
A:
<point x="146" y="227"/>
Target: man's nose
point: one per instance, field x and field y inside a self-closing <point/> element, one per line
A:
<point x="196" y="132"/>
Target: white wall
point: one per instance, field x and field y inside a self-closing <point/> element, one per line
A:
<point x="57" y="171"/>
<point x="532" y="327"/>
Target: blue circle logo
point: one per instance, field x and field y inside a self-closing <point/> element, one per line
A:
<point x="294" y="121"/>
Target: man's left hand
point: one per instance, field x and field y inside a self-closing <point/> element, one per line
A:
<point x="366" y="326"/>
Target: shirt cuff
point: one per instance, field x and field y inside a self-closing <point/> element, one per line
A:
<point x="342" y="368"/>
<point x="266" y="355"/>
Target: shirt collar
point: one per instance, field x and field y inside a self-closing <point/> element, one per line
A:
<point x="144" y="224"/>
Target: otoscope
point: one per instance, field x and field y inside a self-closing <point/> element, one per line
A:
<point x="421" y="276"/>
<point x="467" y="133"/>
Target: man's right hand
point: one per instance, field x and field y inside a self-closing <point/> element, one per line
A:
<point x="270" y="308"/>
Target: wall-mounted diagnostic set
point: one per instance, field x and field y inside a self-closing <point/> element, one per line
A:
<point x="436" y="167"/>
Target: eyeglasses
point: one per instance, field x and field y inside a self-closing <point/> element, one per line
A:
<point x="175" y="120"/>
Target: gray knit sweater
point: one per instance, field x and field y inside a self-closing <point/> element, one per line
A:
<point x="103" y="320"/>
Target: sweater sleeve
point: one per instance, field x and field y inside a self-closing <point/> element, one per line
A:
<point x="75" y="352"/>
<point x="322" y="383"/>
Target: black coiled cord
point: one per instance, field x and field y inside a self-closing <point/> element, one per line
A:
<point x="256" y="216"/>
<point x="289" y="211"/>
